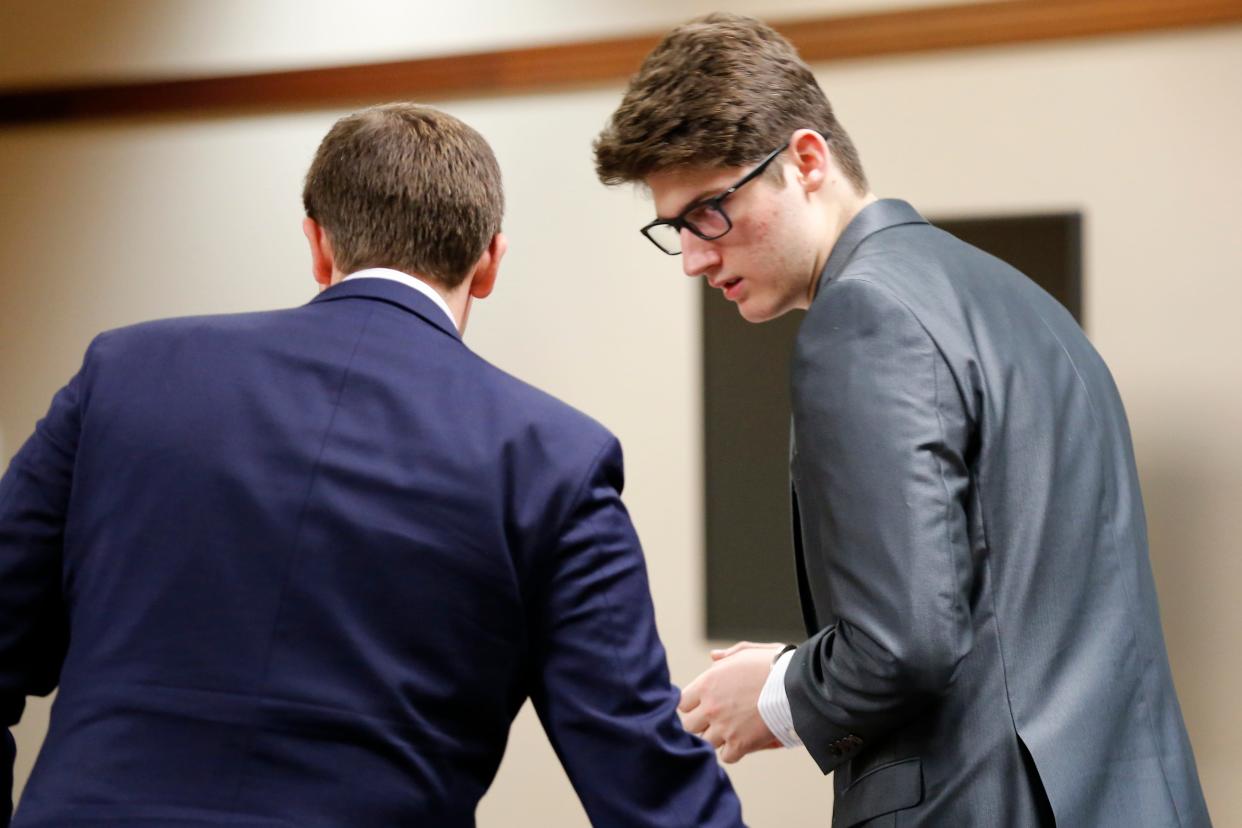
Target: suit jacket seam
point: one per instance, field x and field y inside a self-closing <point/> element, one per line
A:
<point x="959" y="609"/>
<point x="542" y="568"/>
<point x="971" y="417"/>
<point x="562" y="524"/>
<point x="1140" y="654"/>
<point x="247" y="751"/>
<point x="19" y="460"/>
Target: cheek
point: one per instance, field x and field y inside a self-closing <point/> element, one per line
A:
<point x="762" y="242"/>
<point x="769" y="254"/>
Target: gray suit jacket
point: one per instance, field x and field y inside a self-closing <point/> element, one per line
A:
<point x="972" y="554"/>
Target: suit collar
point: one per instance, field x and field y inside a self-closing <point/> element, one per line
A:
<point x="877" y="216"/>
<point x="394" y="293"/>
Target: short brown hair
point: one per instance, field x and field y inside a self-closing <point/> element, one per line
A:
<point x="720" y="91"/>
<point x="407" y="187"/>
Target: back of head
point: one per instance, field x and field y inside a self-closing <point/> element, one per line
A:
<point x="720" y="91"/>
<point x="407" y="187"/>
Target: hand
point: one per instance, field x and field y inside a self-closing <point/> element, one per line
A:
<point x="722" y="704"/>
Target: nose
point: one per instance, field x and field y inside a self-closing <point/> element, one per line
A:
<point x="698" y="257"/>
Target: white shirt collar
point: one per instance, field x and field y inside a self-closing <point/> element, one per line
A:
<point x="409" y="281"/>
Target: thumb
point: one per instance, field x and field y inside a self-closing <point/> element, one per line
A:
<point x="717" y="655"/>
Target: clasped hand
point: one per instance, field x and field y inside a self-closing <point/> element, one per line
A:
<point x="722" y="704"/>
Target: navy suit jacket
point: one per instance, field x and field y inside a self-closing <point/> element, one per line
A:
<point x="303" y="567"/>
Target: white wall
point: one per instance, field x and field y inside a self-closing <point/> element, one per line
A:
<point x="107" y="223"/>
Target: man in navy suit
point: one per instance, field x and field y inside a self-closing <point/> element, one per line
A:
<point x="303" y="567"/>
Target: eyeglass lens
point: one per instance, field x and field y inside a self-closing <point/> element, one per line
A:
<point x="706" y="221"/>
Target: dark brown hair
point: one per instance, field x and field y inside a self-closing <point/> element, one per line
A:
<point x="407" y="187"/>
<point x="720" y="91"/>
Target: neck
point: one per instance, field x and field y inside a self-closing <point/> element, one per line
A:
<point x="838" y="215"/>
<point x="458" y="302"/>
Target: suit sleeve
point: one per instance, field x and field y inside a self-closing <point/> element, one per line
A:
<point x="882" y="480"/>
<point x="34" y="498"/>
<point x="602" y="686"/>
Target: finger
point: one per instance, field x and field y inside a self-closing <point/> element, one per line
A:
<point x="713" y="737"/>
<point x="695" y="721"/>
<point x="690" y="697"/>
<point x="730" y="753"/>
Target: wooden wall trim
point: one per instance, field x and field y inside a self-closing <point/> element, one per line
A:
<point x="936" y="28"/>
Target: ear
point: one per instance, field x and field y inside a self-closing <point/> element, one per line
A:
<point x="483" y="279"/>
<point x="322" y="260"/>
<point x="811" y="158"/>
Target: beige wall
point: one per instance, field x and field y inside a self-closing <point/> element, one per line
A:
<point x="61" y="40"/>
<point x="107" y="223"/>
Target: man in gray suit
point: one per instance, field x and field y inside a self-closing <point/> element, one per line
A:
<point x="985" y="645"/>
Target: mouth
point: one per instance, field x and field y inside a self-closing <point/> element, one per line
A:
<point x="730" y="287"/>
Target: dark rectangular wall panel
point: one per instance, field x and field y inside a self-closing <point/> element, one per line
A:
<point x="751" y="586"/>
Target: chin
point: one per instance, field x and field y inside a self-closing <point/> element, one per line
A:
<point x="755" y="314"/>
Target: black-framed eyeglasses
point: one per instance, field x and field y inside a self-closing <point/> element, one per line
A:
<point x="705" y="218"/>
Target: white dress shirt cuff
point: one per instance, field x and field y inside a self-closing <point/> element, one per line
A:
<point x="774" y="704"/>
